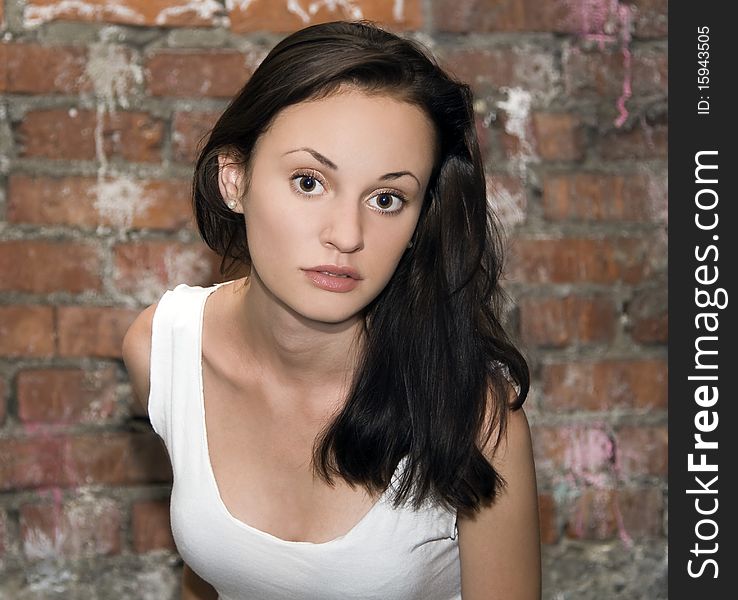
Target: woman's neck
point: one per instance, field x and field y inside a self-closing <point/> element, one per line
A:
<point x="299" y="353"/>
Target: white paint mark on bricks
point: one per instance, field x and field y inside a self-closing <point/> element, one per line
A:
<point x="35" y="15"/>
<point x="510" y="207"/>
<point x="119" y="199"/>
<point x="204" y="9"/>
<point x="350" y="9"/>
<point x="517" y="107"/>
<point x="111" y="73"/>
<point x="242" y="5"/>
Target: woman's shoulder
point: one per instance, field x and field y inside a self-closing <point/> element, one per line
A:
<point x="136" y="344"/>
<point x="515" y="430"/>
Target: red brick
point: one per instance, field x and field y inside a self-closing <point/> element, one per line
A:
<point x="579" y="260"/>
<point x="547" y="135"/>
<point x="643" y="140"/>
<point x="215" y="73"/>
<point x="37" y="69"/>
<point x="549" y="448"/>
<point x="604" y="514"/>
<point x="3" y="403"/>
<point x="117" y="458"/>
<point x="151" y="266"/>
<point x="66" y="395"/>
<point x="151" y="526"/>
<point x="593" y="72"/>
<point x="3" y="517"/>
<point x="37" y="266"/>
<point x="650" y="73"/>
<point x="648" y="319"/>
<point x="642" y="450"/>
<point x="606" y="384"/>
<point x="4" y="60"/>
<point x="604" y="197"/>
<point x="69" y="134"/>
<point x="154" y="13"/>
<point x="57" y="133"/>
<point x="280" y="17"/>
<point x="547" y="517"/>
<point x="30" y="462"/>
<point x="650" y="18"/>
<point x="75" y="529"/>
<point x="27" y="331"/>
<point x="558" y="136"/>
<point x="642" y="511"/>
<point x="561" y="322"/>
<point x="189" y="129"/>
<point x="465" y="16"/>
<point x="111" y="458"/>
<point x="489" y="70"/>
<point x="92" y="330"/>
<point x="112" y="202"/>
<point x="603" y="73"/>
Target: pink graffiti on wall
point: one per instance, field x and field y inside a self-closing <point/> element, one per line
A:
<point x="591" y="463"/>
<point x="606" y="22"/>
<point x="47" y="444"/>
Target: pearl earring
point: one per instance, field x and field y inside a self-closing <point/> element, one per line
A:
<point x="231" y="204"/>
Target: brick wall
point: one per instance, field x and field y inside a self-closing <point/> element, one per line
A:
<point x="101" y="108"/>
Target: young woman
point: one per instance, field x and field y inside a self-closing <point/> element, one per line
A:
<point x="345" y="421"/>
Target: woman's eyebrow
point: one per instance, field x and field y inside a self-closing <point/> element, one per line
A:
<point x="331" y="165"/>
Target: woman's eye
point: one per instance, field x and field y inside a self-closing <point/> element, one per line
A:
<point x="384" y="202"/>
<point x="308" y="183"/>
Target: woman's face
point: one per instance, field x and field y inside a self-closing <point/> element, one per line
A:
<point x="338" y="181"/>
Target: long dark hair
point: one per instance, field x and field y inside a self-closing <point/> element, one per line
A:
<point x="437" y="370"/>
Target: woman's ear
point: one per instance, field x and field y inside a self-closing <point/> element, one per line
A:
<point x="230" y="180"/>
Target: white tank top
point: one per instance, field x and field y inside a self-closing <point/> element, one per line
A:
<point x="390" y="554"/>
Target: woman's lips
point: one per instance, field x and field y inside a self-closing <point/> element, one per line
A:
<point x="331" y="283"/>
<point x="336" y="270"/>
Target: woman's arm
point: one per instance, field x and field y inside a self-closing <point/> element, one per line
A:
<point x="500" y="549"/>
<point x="196" y="588"/>
<point x="136" y="351"/>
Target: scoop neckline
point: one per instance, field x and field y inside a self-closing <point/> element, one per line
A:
<point x="209" y="466"/>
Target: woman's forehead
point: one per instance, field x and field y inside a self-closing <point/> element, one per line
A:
<point x="353" y="124"/>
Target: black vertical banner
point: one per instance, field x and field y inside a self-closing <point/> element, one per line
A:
<point x="703" y="425"/>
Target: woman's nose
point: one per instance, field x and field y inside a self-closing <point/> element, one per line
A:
<point x="344" y="230"/>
